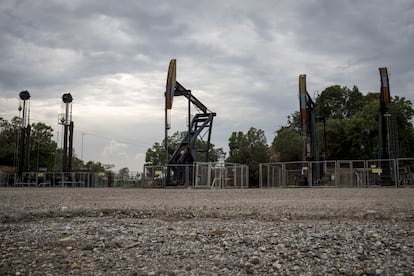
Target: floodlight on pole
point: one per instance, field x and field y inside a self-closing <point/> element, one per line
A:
<point x="66" y="120"/>
<point x="24" y="141"/>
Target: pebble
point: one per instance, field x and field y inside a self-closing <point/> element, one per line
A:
<point x="255" y="260"/>
<point x="277" y="265"/>
<point x="233" y="237"/>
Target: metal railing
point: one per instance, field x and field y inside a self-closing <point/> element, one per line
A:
<point x="332" y="173"/>
<point x="70" y="179"/>
<point x="220" y="175"/>
<point x="338" y="173"/>
<point x="197" y="175"/>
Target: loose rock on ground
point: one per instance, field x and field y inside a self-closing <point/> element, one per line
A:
<point x="207" y="232"/>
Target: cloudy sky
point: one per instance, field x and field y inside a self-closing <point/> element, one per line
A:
<point x="240" y="58"/>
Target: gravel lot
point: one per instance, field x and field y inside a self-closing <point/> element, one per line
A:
<point x="324" y="231"/>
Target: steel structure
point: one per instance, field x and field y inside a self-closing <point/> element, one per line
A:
<point x="387" y="144"/>
<point x="66" y="120"/>
<point x="387" y="134"/>
<point x="310" y="151"/>
<point x="199" y="127"/>
<point x="25" y="129"/>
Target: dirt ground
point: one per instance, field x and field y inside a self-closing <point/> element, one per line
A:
<point x="51" y="231"/>
<point x="323" y="203"/>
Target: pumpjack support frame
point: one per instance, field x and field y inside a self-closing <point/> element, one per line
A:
<point x="387" y="132"/>
<point x="386" y="129"/>
<point x="308" y="116"/>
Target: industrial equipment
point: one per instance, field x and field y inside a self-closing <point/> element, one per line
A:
<point x="25" y="129"/>
<point x="310" y="151"/>
<point x="199" y="128"/>
<point x="65" y="119"/>
<point x="387" y="133"/>
<point x="387" y="144"/>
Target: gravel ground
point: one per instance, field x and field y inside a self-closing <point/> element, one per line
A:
<point x="323" y="231"/>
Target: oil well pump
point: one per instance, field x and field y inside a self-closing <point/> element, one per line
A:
<point x="387" y="133"/>
<point x="308" y="116"/>
<point x="25" y="129"/>
<point x="199" y="128"/>
<point x="387" y="144"/>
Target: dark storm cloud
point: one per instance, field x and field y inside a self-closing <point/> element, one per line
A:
<point x="241" y="58"/>
<point x="358" y="36"/>
<point x="85" y="40"/>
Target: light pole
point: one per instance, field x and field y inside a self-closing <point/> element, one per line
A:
<point x="83" y="134"/>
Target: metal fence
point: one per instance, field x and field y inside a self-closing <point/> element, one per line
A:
<point x="340" y="173"/>
<point x="197" y="175"/>
<point x="167" y="176"/>
<point x="351" y="173"/>
<point x="70" y="179"/>
<point x="405" y="172"/>
<point x="220" y="175"/>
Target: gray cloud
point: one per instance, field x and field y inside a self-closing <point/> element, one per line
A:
<point x="241" y="58"/>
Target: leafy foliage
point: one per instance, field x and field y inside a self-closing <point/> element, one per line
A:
<point x="250" y="149"/>
<point x="8" y="141"/>
<point x="339" y="102"/>
<point x="288" y="144"/>
<point x="42" y="147"/>
<point x="351" y="126"/>
<point x="156" y="155"/>
<point x="43" y="153"/>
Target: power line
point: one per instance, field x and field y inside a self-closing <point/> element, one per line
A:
<point x="118" y="139"/>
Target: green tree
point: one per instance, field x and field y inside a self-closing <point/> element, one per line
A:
<point x="403" y="112"/>
<point x="288" y="143"/>
<point x="9" y="133"/>
<point x="356" y="137"/>
<point x="339" y="102"/>
<point x="123" y="173"/>
<point x="42" y="147"/>
<point x="156" y="155"/>
<point x="95" y="166"/>
<point x="294" y="122"/>
<point x="349" y="122"/>
<point x="250" y="149"/>
<point x="214" y="155"/>
<point x="77" y="164"/>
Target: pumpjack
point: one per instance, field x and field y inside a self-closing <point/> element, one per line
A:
<point x="199" y="128"/>
<point x="387" y="134"/>
<point x="308" y="116"/>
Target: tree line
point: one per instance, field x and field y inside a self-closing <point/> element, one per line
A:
<point x="347" y="128"/>
<point x="44" y="153"/>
